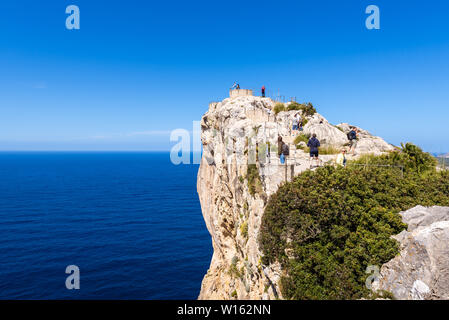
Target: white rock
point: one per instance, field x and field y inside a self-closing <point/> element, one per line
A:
<point x="420" y="290"/>
<point x="421" y="269"/>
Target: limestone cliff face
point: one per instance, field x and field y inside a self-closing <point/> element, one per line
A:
<point x="239" y="170"/>
<point x="421" y="270"/>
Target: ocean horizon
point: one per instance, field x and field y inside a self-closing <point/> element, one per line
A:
<point x="131" y="222"/>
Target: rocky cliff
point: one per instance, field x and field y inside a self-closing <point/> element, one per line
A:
<point x="239" y="170"/>
<point x="421" y="270"/>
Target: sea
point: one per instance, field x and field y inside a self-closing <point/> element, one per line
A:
<point x="130" y="222"/>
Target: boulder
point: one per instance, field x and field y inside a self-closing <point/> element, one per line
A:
<point x="421" y="270"/>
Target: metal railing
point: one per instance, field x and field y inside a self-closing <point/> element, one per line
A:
<point x="273" y="94"/>
<point x="365" y="165"/>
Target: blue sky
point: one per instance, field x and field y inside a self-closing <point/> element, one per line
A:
<point x="138" y="69"/>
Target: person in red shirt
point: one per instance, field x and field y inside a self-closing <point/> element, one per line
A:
<point x="263" y="91"/>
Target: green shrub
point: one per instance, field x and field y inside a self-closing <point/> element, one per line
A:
<point x="244" y="229"/>
<point x="307" y="109"/>
<point x="327" y="150"/>
<point x="302" y="137"/>
<point x="254" y="182"/>
<point x="233" y="270"/>
<point x="295" y="106"/>
<point x="411" y="157"/>
<point x="337" y="221"/>
<point x="304" y="121"/>
<point x="278" y="108"/>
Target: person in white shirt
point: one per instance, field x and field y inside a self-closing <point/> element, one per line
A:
<point x="341" y="158"/>
<point x="295" y="124"/>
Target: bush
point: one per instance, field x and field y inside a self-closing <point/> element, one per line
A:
<point x="411" y="157"/>
<point x="307" y="109"/>
<point x="294" y="106"/>
<point x="278" y="108"/>
<point x="244" y="229"/>
<point x="337" y="221"/>
<point x="302" y="137"/>
<point x="328" y="150"/>
<point x="254" y="182"/>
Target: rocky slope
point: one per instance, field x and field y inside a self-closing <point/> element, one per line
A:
<point x="421" y="271"/>
<point x="239" y="170"/>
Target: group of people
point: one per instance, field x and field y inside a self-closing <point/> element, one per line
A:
<point x="297" y="125"/>
<point x="314" y="144"/>
<point x="235" y="86"/>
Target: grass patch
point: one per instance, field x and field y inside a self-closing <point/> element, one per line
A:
<point x="244" y="229"/>
<point x="302" y="137"/>
<point x="329" y="150"/>
<point x="325" y="150"/>
<point x="307" y="109"/>
<point x="278" y="108"/>
<point x="254" y="181"/>
<point x="233" y="270"/>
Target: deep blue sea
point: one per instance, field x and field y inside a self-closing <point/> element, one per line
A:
<point x="131" y="222"/>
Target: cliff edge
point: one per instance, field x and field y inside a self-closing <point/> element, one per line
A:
<point x="239" y="170"/>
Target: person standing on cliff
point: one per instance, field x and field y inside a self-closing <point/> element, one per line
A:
<point x="341" y="158"/>
<point x="295" y="123"/>
<point x="283" y="150"/>
<point x="352" y="136"/>
<point x="314" y="144"/>
<point x="263" y="91"/>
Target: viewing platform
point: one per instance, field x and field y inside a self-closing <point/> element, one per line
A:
<point x="234" y="93"/>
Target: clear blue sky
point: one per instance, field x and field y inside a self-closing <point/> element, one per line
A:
<point x="138" y="69"/>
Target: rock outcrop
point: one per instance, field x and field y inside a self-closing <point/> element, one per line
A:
<point x="239" y="170"/>
<point x="421" y="270"/>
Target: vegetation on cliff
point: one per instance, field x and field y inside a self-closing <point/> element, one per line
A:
<point x="307" y="109"/>
<point x="254" y="182"/>
<point x="327" y="226"/>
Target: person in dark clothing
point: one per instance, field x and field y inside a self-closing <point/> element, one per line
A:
<point x="263" y="91"/>
<point x="314" y="144"/>
<point x="283" y="150"/>
<point x="301" y="125"/>
<point x="352" y="136"/>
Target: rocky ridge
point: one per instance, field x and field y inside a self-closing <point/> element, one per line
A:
<point x="239" y="170"/>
